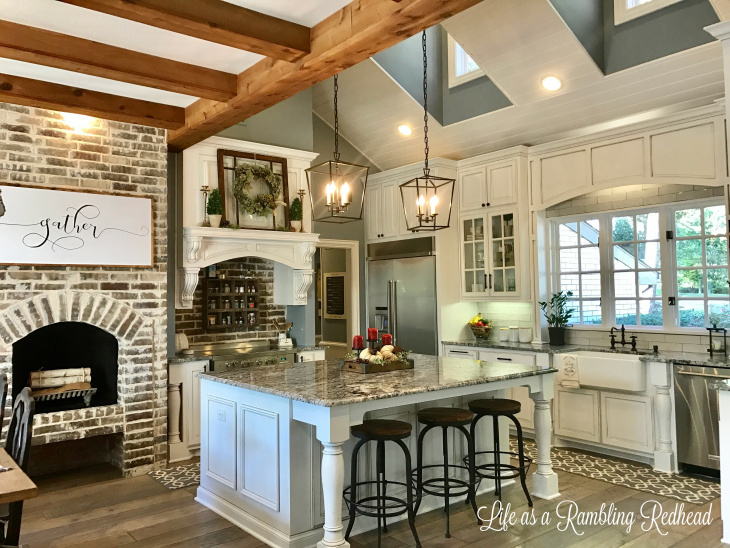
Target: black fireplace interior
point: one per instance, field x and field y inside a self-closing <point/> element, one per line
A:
<point x="67" y="345"/>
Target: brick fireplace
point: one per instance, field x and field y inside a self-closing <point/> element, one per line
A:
<point x="38" y="148"/>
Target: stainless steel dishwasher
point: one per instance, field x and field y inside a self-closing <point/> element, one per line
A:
<point x="697" y="414"/>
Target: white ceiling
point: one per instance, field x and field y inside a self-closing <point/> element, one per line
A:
<point x="91" y="25"/>
<point x="517" y="46"/>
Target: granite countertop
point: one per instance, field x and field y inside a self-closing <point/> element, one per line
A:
<point x="688" y="358"/>
<point x="181" y="358"/>
<point x="322" y="383"/>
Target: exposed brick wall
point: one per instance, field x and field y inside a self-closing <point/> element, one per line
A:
<point x="190" y="321"/>
<point x="38" y="148"/>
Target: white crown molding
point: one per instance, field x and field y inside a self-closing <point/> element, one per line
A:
<point x="519" y="150"/>
<point x="255" y="148"/>
<point x="412" y="168"/>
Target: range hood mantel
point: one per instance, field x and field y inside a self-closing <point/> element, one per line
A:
<point x="203" y="246"/>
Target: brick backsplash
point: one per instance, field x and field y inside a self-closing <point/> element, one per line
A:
<point x="190" y="320"/>
<point x="37" y="147"/>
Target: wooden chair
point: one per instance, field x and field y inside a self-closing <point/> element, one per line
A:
<point x="18" y="447"/>
<point x="3" y="397"/>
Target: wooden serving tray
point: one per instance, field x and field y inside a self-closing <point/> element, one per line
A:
<point x="366" y="367"/>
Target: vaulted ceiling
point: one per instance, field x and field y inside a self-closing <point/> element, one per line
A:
<point x="517" y="43"/>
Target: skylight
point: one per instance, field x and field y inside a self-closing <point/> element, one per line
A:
<point x="462" y="68"/>
<point x="626" y="10"/>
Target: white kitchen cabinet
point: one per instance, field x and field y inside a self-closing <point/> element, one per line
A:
<point x="472" y="189"/>
<point x="461" y="352"/>
<point x="185" y="417"/>
<point x="491" y="259"/>
<point x="627" y="421"/>
<point x="577" y="413"/>
<point x="501" y="356"/>
<point x="373" y="214"/>
<point x="315" y="355"/>
<point x="502" y="183"/>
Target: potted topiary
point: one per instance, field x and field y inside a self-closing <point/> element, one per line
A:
<point x="557" y="314"/>
<point x="215" y="208"/>
<point x="295" y="215"/>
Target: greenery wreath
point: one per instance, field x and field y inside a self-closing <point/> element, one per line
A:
<point x="263" y="204"/>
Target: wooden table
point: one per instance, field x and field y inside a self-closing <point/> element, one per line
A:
<point x="15" y="485"/>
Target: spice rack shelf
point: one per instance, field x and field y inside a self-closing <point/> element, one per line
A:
<point x="230" y="304"/>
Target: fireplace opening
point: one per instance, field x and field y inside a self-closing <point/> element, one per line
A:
<point x="67" y="355"/>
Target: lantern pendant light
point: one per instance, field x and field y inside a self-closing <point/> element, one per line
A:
<point x="427" y="199"/>
<point x="337" y="188"/>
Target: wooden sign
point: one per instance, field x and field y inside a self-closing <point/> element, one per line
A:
<point x="65" y="227"/>
<point x="334" y="295"/>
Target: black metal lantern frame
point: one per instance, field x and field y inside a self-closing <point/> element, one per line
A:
<point x="425" y="198"/>
<point x="337" y="188"/>
<point x="422" y="197"/>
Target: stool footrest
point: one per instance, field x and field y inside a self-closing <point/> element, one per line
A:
<point x="457" y="487"/>
<point x="489" y="470"/>
<point x="362" y="506"/>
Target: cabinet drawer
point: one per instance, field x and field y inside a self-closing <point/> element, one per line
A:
<point x="466" y="353"/>
<point x="507" y="357"/>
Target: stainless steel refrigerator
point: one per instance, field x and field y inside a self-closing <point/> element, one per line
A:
<point x="402" y="301"/>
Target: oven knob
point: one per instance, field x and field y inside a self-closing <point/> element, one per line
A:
<point x="228" y="365"/>
<point x="258" y="362"/>
<point x="234" y="364"/>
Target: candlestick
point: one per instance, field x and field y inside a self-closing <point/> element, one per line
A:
<point x="420" y="202"/>
<point x="344" y="192"/>
<point x="433" y="202"/>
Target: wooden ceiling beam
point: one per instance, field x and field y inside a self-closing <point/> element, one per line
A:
<point x="214" y="21"/>
<point x="35" y="93"/>
<point x="351" y="35"/>
<point x="52" y="49"/>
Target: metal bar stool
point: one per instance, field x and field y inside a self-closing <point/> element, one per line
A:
<point x="497" y="470"/>
<point x="446" y="486"/>
<point x="382" y="505"/>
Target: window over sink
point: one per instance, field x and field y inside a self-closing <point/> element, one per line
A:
<point x="661" y="267"/>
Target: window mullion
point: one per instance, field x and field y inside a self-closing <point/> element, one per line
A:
<point x="608" y="310"/>
<point x="669" y="268"/>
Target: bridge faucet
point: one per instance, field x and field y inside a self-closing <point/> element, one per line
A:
<point x="623" y="337"/>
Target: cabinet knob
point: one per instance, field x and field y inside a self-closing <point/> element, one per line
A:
<point x="484" y="205"/>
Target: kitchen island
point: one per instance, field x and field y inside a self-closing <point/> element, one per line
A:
<point x="262" y="468"/>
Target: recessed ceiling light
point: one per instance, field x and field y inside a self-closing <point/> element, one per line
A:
<point x="405" y="130"/>
<point x="551" y="83"/>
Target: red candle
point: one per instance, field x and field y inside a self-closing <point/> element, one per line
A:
<point x="387" y="339"/>
<point x="372" y="334"/>
<point x="357" y="342"/>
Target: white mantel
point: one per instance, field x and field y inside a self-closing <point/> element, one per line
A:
<point x="204" y="246"/>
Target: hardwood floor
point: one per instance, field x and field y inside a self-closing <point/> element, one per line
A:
<point x="97" y="509"/>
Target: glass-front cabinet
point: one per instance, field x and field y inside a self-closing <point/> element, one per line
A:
<point x="490" y="258"/>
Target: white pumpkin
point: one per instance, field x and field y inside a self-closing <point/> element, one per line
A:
<point x="365" y="354"/>
<point x="387" y="348"/>
<point x="375" y="357"/>
<point x="388" y="356"/>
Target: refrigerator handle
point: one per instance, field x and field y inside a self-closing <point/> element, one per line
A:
<point x="390" y="306"/>
<point x="394" y="311"/>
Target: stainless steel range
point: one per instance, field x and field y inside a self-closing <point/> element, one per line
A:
<point x="225" y="357"/>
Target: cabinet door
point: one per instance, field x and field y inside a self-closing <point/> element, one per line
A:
<point x="577" y="413"/>
<point x="389" y="210"/>
<point x="193" y="405"/>
<point x="627" y="421"/>
<point x="472" y="189"/>
<point x="527" y="413"/>
<point x="473" y="258"/>
<point x="503" y="255"/>
<point x="373" y="198"/>
<point x="502" y="183"/>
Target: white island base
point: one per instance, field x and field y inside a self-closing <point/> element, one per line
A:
<point x="276" y="466"/>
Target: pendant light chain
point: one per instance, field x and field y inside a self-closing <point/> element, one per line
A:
<point x="337" y="125"/>
<point x="426" y="171"/>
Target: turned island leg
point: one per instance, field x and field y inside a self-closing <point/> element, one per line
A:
<point x="333" y="480"/>
<point x="544" y="480"/>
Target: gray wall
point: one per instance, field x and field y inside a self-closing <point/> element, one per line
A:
<point x="614" y="48"/>
<point x="287" y="124"/>
<point x="324" y="138"/>
<point x="404" y="63"/>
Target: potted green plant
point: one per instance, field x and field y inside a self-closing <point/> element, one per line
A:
<point x="215" y="208"/>
<point x="295" y="215"/>
<point x="557" y="314"/>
